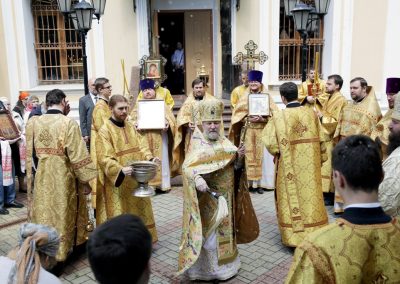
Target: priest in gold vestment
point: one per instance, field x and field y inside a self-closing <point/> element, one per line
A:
<point x="188" y="116"/>
<point x="358" y="117"/>
<point x="158" y="139"/>
<point x="363" y="245"/>
<point x="381" y="131"/>
<point x="295" y="137"/>
<point x="247" y="129"/>
<point x="239" y="91"/>
<point x="161" y="94"/>
<point x="329" y="113"/>
<point x="64" y="170"/>
<point x="208" y="249"/>
<point x="101" y="113"/>
<point x="118" y="145"/>
<point x="311" y="89"/>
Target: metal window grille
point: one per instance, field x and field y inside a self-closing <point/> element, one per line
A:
<point x="58" y="47"/>
<point x="290" y="44"/>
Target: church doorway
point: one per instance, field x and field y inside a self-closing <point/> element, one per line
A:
<point x="193" y="29"/>
<point x="171" y="46"/>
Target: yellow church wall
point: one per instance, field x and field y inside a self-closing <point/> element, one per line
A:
<point x="368" y="41"/>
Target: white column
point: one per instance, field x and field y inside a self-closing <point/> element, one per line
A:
<point x="95" y="50"/>
<point x="391" y="67"/>
<point x="11" y="49"/>
<point x="143" y="28"/>
<point x="332" y="37"/>
<point x="346" y="45"/>
<point x="216" y="37"/>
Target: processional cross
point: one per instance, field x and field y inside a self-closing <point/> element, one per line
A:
<point x="251" y="57"/>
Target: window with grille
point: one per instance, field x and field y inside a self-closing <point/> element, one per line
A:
<point x="290" y="43"/>
<point x="58" y="47"/>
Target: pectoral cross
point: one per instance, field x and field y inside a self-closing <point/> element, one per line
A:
<point x="251" y="57"/>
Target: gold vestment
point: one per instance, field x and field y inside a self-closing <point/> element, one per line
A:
<point x="343" y="252"/>
<point x="252" y="139"/>
<point x="189" y="112"/>
<point x="294" y="136"/>
<point x="161" y="94"/>
<point x="214" y="162"/>
<point x="331" y="110"/>
<point x="236" y="94"/>
<point x="63" y="160"/>
<point x="306" y="89"/>
<point x="154" y="139"/>
<point x="101" y="113"/>
<point x="381" y="132"/>
<point x="117" y="147"/>
<point x="357" y="118"/>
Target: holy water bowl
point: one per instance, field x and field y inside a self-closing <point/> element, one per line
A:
<point x="143" y="172"/>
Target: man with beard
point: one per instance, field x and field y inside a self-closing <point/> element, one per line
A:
<point x="188" y="116"/>
<point x="208" y="247"/>
<point x="238" y="92"/>
<point x="118" y="144"/>
<point x="381" y="131"/>
<point x="329" y="113"/>
<point x="358" y="117"/>
<point x="389" y="189"/>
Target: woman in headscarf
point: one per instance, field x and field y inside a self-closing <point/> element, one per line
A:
<point x="26" y="264"/>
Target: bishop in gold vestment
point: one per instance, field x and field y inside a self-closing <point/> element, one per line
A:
<point x="381" y="131"/>
<point x="118" y="145"/>
<point x="294" y="136"/>
<point x="358" y="117"/>
<point x="208" y="248"/>
<point x="158" y="139"/>
<point x="187" y="117"/>
<point x="259" y="163"/>
<point x="63" y="163"/>
<point x="363" y="245"/>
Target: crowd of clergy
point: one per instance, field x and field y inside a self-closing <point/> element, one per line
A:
<point x="319" y="150"/>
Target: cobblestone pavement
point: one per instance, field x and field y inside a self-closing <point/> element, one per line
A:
<point x="265" y="260"/>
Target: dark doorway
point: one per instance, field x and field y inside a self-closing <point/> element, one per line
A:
<point x="171" y="31"/>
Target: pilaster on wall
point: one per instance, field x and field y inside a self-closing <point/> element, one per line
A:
<point x="142" y="28"/>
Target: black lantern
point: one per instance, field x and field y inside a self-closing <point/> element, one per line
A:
<point x="313" y="21"/>
<point x="322" y="6"/>
<point x="289" y="6"/>
<point x="99" y="6"/>
<point x="64" y="6"/>
<point x="84" y="13"/>
<point x="300" y="16"/>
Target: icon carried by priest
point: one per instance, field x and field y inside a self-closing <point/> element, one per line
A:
<point x="160" y="140"/>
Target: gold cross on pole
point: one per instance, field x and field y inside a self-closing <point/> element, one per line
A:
<point x="250" y="57"/>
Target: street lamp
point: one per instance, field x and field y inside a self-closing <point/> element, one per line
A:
<point x="82" y="14"/>
<point x="305" y="20"/>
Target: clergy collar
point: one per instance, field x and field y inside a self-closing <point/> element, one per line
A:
<point x="365" y="215"/>
<point x="293" y="104"/>
<point x="360" y="100"/>
<point x="117" y="123"/>
<point x="54" y="111"/>
<point x="198" y="98"/>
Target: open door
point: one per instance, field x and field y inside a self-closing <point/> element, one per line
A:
<point x="198" y="46"/>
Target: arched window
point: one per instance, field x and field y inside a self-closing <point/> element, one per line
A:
<point x="58" y="47"/>
<point x="290" y="44"/>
